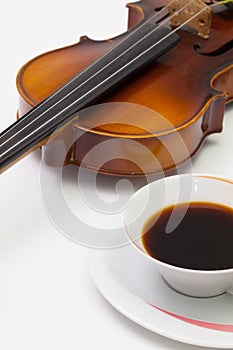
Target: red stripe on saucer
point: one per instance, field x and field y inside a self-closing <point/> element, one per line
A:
<point x="209" y="325"/>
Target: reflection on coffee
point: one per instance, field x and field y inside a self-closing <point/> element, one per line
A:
<point x="202" y="241"/>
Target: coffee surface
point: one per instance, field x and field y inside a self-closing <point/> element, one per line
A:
<point x="202" y="241"/>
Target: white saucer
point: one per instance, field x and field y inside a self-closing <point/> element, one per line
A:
<point x="128" y="281"/>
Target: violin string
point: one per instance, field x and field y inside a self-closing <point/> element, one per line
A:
<point x="102" y="82"/>
<point x="148" y="20"/>
<point x="72" y="80"/>
<point x="223" y="2"/>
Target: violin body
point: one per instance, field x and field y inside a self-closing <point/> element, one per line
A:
<point x="165" y="110"/>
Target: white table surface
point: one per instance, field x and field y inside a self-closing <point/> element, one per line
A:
<point x="47" y="298"/>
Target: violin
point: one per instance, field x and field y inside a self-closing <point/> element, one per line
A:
<point x="140" y="103"/>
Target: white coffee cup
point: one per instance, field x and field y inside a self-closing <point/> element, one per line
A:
<point x="173" y="190"/>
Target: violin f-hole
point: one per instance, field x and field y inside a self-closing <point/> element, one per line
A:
<point x="219" y="51"/>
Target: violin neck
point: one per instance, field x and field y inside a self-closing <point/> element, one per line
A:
<point x="143" y="45"/>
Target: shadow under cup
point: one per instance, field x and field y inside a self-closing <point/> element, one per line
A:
<point x="150" y="201"/>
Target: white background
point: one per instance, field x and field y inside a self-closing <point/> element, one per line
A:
<point x="47" y="298"/>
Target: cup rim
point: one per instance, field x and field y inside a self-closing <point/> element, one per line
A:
<point x="167" y="265"/>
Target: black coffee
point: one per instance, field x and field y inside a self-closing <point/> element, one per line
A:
<point x="202" y="241"/>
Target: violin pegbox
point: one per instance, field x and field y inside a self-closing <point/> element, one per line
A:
<point x="196" y="15"/>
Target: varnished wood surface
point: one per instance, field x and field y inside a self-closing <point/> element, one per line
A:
<point x="48" y="299"/>
<point x="186" y="89"/>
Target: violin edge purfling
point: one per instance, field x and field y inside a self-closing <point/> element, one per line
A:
<point x="202" y="118"/>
